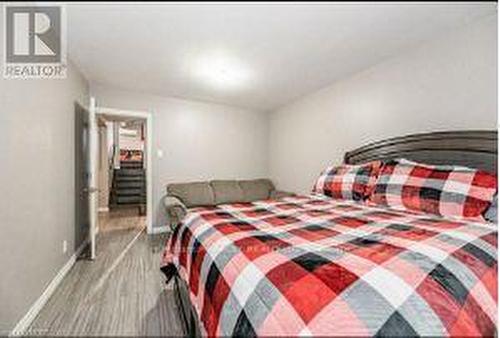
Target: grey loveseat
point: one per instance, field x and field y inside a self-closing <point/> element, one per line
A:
<point x="183" y="196"/>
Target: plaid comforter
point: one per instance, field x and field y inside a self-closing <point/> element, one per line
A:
<point x="317" y="266"/>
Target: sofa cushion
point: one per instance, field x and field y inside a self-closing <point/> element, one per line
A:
<point x="227" y="191"/>
<point x="254" y="190"/>
<point x="193" y="194"/>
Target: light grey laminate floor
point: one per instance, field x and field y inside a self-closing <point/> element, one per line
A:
<point x="120" y="219"/>
<point x="131" y="299"/>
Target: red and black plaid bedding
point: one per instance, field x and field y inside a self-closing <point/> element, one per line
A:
<point x="437" y="189"/>
<point x="348" y="181"/>
<point x="317" y="266"/>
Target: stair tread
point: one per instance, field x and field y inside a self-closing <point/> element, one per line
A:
<point x="129" y="192"/>
<point x="129" y="184"/>
<point x="130" y="178"/>
<point x="130" y="169"/>
<point x="130" y="172"/>
<point x="131" y="166"/>
<point x="129" y="199"/>
<point x="124" y="197"/>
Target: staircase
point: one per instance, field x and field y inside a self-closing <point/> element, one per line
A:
<point x="129" y="186"/>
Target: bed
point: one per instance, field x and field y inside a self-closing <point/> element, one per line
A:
<point x="313" y="265"/>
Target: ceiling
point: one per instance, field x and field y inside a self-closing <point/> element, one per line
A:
<point x="258" y="56"/>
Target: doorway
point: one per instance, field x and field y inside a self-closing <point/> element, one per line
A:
<point x="122" y="172"/>
<point x="113" y="173"/>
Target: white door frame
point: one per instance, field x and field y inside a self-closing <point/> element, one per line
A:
<point x="92" y="183"/>
<point x="149" y="154"/>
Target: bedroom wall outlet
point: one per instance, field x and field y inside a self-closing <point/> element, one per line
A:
<point x="159" y="153"/>
<point x="65" y="246"/>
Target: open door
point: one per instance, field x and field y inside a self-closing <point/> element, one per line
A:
<point x="85" y="177"/>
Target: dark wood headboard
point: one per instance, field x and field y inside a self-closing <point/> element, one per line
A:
<point x="475" y="149"/>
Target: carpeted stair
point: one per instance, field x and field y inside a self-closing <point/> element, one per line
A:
<point x="129" y="185"/>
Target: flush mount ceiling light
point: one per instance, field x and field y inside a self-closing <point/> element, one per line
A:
<point x="221" y="71"/>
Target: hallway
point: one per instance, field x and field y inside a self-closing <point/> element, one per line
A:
<point x="121" y="219"/>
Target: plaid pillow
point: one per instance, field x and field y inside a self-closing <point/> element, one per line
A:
<point x="491" y="214"/>
<point x="354" y="182"/>
<point x="441" y="190"/>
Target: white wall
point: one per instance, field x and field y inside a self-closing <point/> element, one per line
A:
<point x="446" y="84"/>
<point x="200" y="141"/>
<point x="37" y="180"/>
<point x="131" y="141"/>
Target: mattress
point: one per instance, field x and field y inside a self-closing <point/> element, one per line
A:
<point x="312" y="265"/>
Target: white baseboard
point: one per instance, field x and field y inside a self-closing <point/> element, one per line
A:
<point x="103" y="209"/>
<point x="159" y="230"/>
<point x="28" y="318"/>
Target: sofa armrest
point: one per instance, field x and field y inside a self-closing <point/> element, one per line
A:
<point x="277" y="194"/>
<point x="176" y="210"/>
<point x="170" y="201"/>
